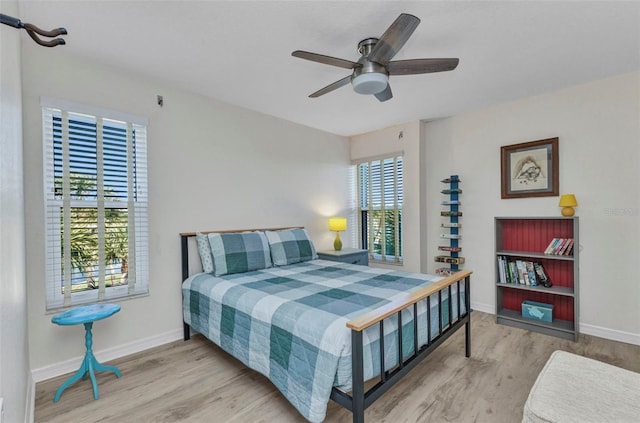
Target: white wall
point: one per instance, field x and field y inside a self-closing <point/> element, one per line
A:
<point x="598" y="125"/>
<point x="388" y="141"/>
<point x="211" y="166"/>
<point x="15" y="379"/>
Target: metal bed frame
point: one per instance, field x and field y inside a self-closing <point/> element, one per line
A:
<point x="359" y="399"/>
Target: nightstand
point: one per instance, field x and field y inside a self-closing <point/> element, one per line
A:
<point x="346" y="255"/>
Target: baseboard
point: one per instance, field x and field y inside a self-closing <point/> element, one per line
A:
<point x="611" y="334"/>
<point x="71" y="365"/>
<point x="600" y="332"/>
<point x="485" y="308"/>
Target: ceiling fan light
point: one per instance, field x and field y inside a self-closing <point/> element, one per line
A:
<point x="370" y="83"/>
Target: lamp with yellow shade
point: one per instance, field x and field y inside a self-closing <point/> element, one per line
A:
<point x="337" y="224"/>
<point x="568" y="202"/>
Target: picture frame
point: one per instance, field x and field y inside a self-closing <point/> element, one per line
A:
<point x="530" y="169"/>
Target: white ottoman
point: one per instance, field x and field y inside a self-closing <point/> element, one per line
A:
<point x="572" y="388"/>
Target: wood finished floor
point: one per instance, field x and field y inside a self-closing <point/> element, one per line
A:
<point x="195" y="381"/>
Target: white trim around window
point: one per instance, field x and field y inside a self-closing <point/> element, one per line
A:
<point x="380" y="199"/>
<point x="96" y="204"/>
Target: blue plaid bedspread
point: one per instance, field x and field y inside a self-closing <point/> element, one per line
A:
<point x="289" y="322"/>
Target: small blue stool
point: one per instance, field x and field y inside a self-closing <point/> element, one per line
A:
<point x="86" y="315"/>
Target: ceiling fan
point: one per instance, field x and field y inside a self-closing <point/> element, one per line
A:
<point x="371" y="72"/>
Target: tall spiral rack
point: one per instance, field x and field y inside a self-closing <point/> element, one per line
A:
<point x="450" y="237"/>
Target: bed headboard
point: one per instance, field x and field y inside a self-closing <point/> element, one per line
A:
<point x="191" y="263"/>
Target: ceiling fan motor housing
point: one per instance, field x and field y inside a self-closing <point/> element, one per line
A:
<point x="370" y="77"/>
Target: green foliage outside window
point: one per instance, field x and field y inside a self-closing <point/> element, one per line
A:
<point x="380" y="188"/>
<point x="84" y="252"/>
<point x="389" y="232"/>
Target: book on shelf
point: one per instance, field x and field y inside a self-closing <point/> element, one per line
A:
<point x="560" y="247"/>
<point x="533" y="281"/>
<point x="525" y="274"/>
<point x="569" y="250"/>
<point x="445" y="271"/>
<point x="565" y="251"/>
<point x="449" y="260"/>
<point x="450" y="180"/>
<point x="522" y="272"/>
<point x="501" y="270"/>
<point x="451" y="225"/>
<point x="452" y="191"/>
<point x="551" y="246"/>
<point x="542" y="275"/>
<point x="513" y="272"/>
<point x="519" y="270"/>
<point x="449" y="248"/>
<point x="504" y="270"/>
<point x="450" y="213"/>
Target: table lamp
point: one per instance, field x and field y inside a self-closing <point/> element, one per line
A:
<point x="568" y="202"/>
<point x="337" y="224"/>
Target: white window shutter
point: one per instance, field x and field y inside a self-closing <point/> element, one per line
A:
<point x="96" y="203"/>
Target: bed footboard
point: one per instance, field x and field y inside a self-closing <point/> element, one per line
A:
<point x="360" y="399"/>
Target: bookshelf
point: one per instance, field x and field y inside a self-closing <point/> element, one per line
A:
<point x="525" y="239"/>
<point x="449" y="248"/>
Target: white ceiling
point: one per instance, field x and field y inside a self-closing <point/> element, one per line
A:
<point x="240" y="51"/>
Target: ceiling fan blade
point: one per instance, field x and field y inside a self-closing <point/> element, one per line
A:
<point x="327" y="60"/>
<point x="385" y="95"/>
<point x="416" y="66"/>
<point x="394" y="38"/>
<point x="331" y="87"/>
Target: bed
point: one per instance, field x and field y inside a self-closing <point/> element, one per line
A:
<point x="317" y="329"/>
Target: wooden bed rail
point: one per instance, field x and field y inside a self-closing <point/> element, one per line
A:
<point x="360" y="323"/>
<point x="360" y="399"/>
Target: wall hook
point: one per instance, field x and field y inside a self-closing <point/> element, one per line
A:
<point x="32" y="30"/>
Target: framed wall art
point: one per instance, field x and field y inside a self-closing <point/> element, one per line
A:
<point x="530" y="169"/>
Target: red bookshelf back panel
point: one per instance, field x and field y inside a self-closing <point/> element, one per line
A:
<point x="563" y="305"/>
<point x="533" y="235"/>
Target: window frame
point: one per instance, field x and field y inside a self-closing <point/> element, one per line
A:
<point x="365" y="236"/>
<point x="136" y="205"/>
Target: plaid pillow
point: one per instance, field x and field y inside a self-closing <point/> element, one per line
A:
<point x="239" y="252"/>
<point x="204" y="249"/>
<point x="290" y="246"/>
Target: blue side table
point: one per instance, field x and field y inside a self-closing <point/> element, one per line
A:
<point x="86" y="315"/>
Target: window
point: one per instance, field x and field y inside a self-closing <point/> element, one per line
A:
<point x="380" y="208"/>
<point x="95" y="169"/>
